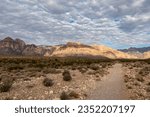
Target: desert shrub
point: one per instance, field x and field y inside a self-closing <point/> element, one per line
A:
<point x="104" y="65"/>
<point x="126" y="80"/>
<point x="48" y="82"/>
<point x="73" y="94"/>
<point x="136" y="83"/>
<point x="145" y="71"/>
<point x="140" y="78"/>
<point x="148" y="83"/>
<point x="64" y="96"/>
<point x="94" y="67"/>
<point x="26" y="79"/>
<point x="5" y="84"/>
<point x="148" y="89"/>
<point x="67" y="76"/>
<point x="129" y="86"/>
<point x="14" y="67"/>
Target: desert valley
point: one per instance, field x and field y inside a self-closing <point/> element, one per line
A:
<point x="72" y="71"/>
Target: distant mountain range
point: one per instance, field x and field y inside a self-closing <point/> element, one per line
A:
<point x="133" y="49"/>
<point x="18" y="47"/>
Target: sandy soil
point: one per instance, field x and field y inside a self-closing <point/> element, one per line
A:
<point x="112" y="86"/>
<point x="32" y="88"/>
<point x="137" y="80"/>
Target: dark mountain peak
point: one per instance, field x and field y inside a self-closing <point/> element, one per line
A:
<point x="20" y="42"/>
<point x="134" y="49"/>
<point x="8" y="39"/>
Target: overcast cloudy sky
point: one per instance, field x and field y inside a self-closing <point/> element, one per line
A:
<point x="115" y="23"/>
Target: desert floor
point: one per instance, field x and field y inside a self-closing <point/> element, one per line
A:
<point x="36" y="80"/>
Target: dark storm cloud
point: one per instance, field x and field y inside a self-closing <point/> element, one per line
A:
<point x="121" y="22"/>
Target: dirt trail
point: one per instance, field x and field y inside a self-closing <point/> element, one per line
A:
<point x="111" y="87"/>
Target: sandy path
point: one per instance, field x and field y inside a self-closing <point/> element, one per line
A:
<point x="111" y="87"/>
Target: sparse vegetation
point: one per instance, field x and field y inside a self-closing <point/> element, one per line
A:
<point x="64" y="96"/>
<point x="73" y="94"/>
<point x="145" y="71"/>
<point x="48" y="82"/>
<point x="148" y="89"/>
<point x="137" y="78"/>
<point x="67" y="76"/>
<point x="94" y="67"/>
<point x="26" y="73"/>
<point x="5" y="84"/>
<point x="140" y="78"/>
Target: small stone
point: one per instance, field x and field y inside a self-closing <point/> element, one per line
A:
<point x="46" y="92"/>
<point x="51" y="92"/>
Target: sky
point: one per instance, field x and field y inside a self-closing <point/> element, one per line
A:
<point x="114" y="23"/>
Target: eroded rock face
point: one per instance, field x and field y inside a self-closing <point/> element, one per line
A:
<point x="8" y="46"/>
<point x="77" y="49"/>
<point x="33" y="50"/>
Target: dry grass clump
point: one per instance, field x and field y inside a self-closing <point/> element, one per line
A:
<point x="64" y="96"/>
<point x="148" y="89"/>
<point x="129" y="86"/>
<point x="69" y="95"/>
<point x="48" y="82"/>
<point x="67" y="76"/>
<point x="94" y="67"/>
<point x="145" y="71"/>
<point x="5" y="83"/>
<point x="140" y="78"/>
<point x="148" y="83"/>
<point x="74" y="94"/>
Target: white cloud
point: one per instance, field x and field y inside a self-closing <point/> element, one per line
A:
<point x="118" y="24"/>
<point x="137" y="3"/>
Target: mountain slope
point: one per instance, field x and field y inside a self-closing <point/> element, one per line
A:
<point x="10" y="47"/>
<point x="147" y="55"/>
<point x="77" y="49"/>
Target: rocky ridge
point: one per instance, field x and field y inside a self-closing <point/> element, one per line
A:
<point x="18" y="47"/>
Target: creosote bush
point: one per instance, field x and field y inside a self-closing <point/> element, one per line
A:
<point x="64" y="96"/>
<point x="140" y="78"/>
<point x="67" y="76"/>
<point x="74" y="94"/>
<point x="48" y="82"/>
<point x="94" y="67"/>
<point x="5" y="84"/>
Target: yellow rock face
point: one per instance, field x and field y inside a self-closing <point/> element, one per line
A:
<point x="147" y="54"/>
<point x="78" y="49"/>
